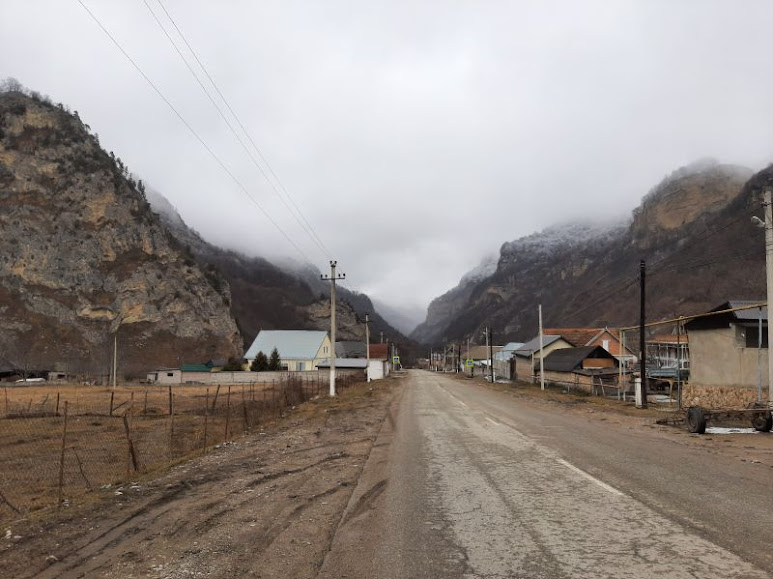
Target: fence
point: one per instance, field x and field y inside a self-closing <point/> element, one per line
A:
<point x="59" y="443"/>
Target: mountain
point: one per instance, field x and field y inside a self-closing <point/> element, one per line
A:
<point x="87" y="258"/>
<point x="692" y="229"/>
<point x="404" y="318"/>
<point x="84" y="257"/>
<point x="444" y="309"/>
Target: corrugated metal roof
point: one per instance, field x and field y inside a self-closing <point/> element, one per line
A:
<point x="291" y="344"/>
<point x="750" y="314"/>
<point x="511" y="346"/>
<point x="195" y="368"/>
<point x="533" y="345"/>
<point x="379" y="351"/>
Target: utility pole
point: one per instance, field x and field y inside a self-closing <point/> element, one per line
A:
<point x="367" y="347"/>
<point x="491" y="354"/>
<point x="468" y="357"/>
<point x="332" y="278"/>
<point x="769" y="271"/>
<point x="485" y="333"/>
<point x="541" y="357"/>
<point x="642" y="343"/>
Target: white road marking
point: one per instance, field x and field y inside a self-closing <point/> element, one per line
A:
<point x="492" y="421"/>
<point x="591" y="478"/>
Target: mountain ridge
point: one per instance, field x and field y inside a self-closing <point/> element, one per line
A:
<point x="565" y="275"/>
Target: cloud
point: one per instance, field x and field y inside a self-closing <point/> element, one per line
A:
<point x="416" y="136"/>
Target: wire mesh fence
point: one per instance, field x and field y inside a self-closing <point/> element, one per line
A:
<point x="59" y="442"/>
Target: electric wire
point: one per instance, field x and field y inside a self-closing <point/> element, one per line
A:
<point x="276" y="184"/>
<point x="203" y="143"/>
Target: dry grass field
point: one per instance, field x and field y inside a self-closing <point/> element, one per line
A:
<point x="117" y="436"/>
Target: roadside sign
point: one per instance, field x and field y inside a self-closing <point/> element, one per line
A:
<point x="396" y="360"/>
<point x="468" y="363"/>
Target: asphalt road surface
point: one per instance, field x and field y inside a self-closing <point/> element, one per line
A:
<point x="464" y="481"/>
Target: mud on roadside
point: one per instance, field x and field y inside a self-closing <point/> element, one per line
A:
<point x="753" y="449"/>
<point x="265" y="506"/>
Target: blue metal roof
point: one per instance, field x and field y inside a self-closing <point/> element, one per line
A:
<point x="291" y="344"/>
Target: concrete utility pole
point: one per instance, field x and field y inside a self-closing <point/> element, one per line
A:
<point x="367" y="348"/>
<point x="769" y="271"/>
<point x="332" y="278"/>
<point x="642" y="342"/>
<point x="541" y="357"/>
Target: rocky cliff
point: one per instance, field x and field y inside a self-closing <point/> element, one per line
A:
<point x="692" y="229"/>
<point x="85" y="259"/>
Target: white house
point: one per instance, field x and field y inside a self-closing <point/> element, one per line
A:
<point x="299" y="350"/>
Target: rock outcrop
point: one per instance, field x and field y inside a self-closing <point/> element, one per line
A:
<point x="84" y="257"/>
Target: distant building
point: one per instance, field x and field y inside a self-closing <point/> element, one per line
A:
<point x="380" y="364"/>
<point x="299" y="350"/>
<point x="527" y="356"/>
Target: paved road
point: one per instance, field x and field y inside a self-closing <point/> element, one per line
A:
<point x="464" y="481"/>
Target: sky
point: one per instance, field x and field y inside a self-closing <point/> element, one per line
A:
<point x="414" y="137"/>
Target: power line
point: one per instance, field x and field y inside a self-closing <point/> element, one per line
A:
<point x="276" y="184"/>
<point x="194" y="133"/>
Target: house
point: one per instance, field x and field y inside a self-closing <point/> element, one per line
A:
<point x="527" y="356"/>
<point x="586" y="367"/>
<point x="607" y="338"/>
<point x="380" y="364"/>
<point x="725" y="361"/>
<point x="504" y="363"/>
<point x="299" y="350"/>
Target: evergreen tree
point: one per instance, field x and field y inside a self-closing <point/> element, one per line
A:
<point x="260" y="363"/>
<point x="274" y="362"/>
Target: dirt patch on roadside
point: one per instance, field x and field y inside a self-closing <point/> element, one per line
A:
<point x="265" y="506"/>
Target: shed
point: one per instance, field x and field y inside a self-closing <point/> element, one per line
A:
<point x="585" y="367"/>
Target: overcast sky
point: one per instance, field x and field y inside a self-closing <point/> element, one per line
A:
<point x="415" y="136"/>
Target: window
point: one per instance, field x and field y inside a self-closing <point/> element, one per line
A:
<point x="605" y="344"/>
<point x="752" y="336"/>
<point x="300" y="366"/>
<point x="170" y="374"/>
<point x="324" y="350"/>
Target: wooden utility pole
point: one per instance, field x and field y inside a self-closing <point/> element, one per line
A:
<point x="642" y="342"/>
<point x="541" y="353"/>
<point x="332" y="279"/>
